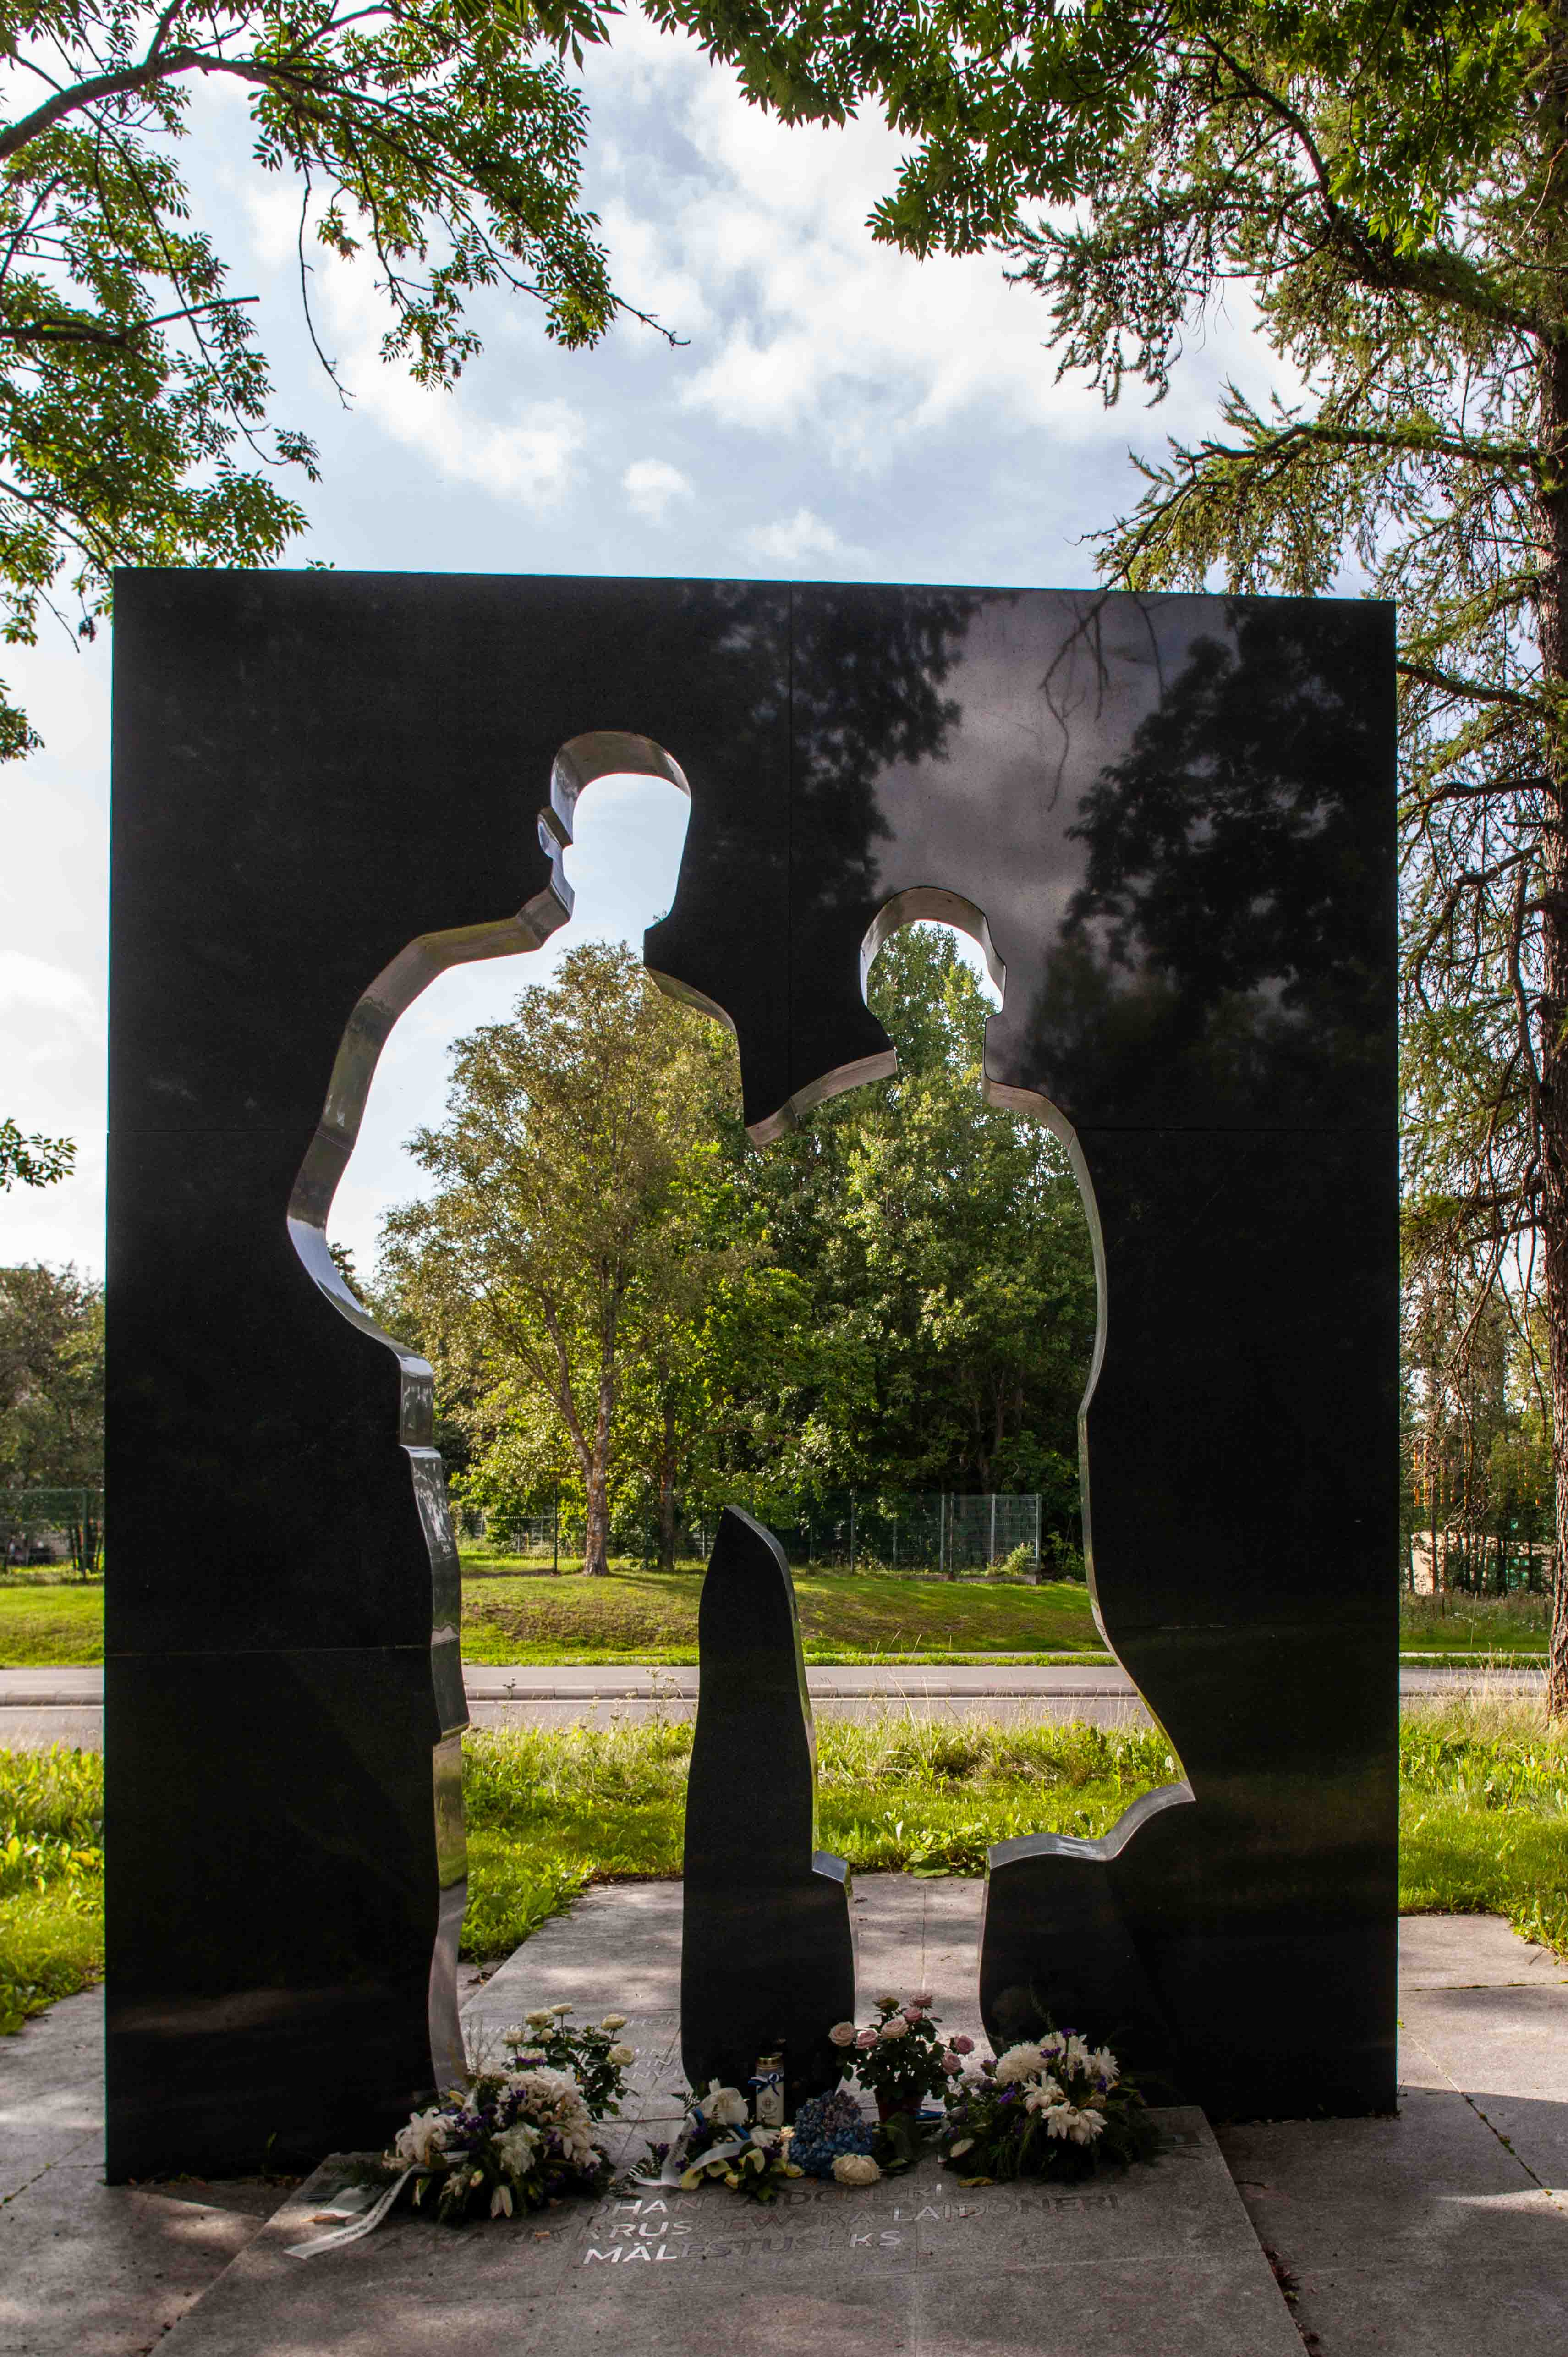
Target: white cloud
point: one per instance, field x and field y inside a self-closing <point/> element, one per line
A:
<point x="529" y="456"/>
<point x="793" y="539"/>
<point x="31" y="985"/>
<point x="756" y="248"/>
<point x="653" y="485"/>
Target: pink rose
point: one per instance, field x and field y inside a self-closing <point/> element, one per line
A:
<point x="914" y="2011"/>
<point x="922" y="1996"/>
<point x="866" y="2038"/>
<point x="961" y="2045"/>
<point x="843" y="2033"/>
<point x="952" y="2065"/>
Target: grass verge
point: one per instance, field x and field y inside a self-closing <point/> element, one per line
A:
<point x="1483" y="1812"/>
<point x="849" y="1616"/>
<point x="1476" y="1625"/>
<point x="1483" y="1806"/>
<point x="51" y="1878"/>
<point x="536" y="1618"/>
<point x="51" y="1627"/>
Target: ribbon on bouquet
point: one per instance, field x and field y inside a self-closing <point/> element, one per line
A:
<point x="675" y="2159"/>
<point x="357" y="2229"/>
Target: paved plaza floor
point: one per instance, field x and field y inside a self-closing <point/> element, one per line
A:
<point x="1444" y="2230"/>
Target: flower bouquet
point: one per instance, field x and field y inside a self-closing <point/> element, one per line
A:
<point x="900" y="2058"/>
<point x="519" y="2135"/>
<point x="1056" y="2108"/>
<point x="717" y="2146"/>
<point x="828" y="2129"/>
<point x="595" y="2056"/>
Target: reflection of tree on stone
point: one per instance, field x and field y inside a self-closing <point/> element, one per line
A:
<point x="867" y="692"/>
<point x="843" y="684"/>
<point x="1223" y="921"/>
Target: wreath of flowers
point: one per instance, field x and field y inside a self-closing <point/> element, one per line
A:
<point x="522" y="2134"/>
<point x="1058" y="2107"/>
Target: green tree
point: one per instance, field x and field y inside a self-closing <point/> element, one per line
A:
<point x="36" y="1161"/>
<point x="1384" y="181"/>
<point x="568" y="1238"/>
<point x="51" y="1390"/>
<point x="439" y="139"/>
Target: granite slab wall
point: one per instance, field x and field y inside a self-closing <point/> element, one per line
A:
<point x="1170" y="822"/>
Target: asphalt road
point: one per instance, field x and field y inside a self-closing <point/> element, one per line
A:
<point x="43" y="1706"/>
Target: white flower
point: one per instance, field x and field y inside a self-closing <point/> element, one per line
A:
<point x="766" y="2138"/>
<point x="1105" y="2065"/>
<point x="964" y="2144"/>
<point x="1052" y="2044"/>
<point x="613" y="2021"/>
<point x="500" y="2202"/>
<point x="1019" y="2063"/>
<point x="1079" y="2127"/>
<point x="516" y="2148"/>
<point x="856" y="2168"/>
<point x="623" y="2055"/>
<point x="843" y="2033"/>
<point x="724" y="2107"/>
<point x="542" y="2020"/>
<point x="1077" y="2055"/>
<point x="560" y="2009"/>
<point x="423" y="2142"/>
<point x="1041" y="2098"/>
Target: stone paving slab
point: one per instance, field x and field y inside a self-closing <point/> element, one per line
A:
<point x="1443" y="2233"/>
<point x="1429" y="2235"/>
<point x="1159" y="2260"/>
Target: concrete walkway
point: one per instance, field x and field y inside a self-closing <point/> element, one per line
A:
<point x="1443" y="2233"/>
<point x="66" y="1706"/>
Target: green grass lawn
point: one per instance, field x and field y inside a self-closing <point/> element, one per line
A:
<point x="530" y="1617"/>
<point x="1504" y="1627"/>
<point x="51" y="1627"/>
<point x="636" y="1616"/>
<point x="1483" y="1807"/>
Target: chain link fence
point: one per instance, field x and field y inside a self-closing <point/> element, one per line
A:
<point x="38" y="1527"/>
<point x="944" y="1535"/>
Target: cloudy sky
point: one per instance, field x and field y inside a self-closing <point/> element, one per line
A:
<point x="836" y="412"/>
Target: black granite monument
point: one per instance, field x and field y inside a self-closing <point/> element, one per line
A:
<point x="767" y="1951"/>
<point x="1170" y="823"/>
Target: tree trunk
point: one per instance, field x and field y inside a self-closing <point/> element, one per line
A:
<point x="669" y="1455"/>
<point x="597" y="1471"/>
<point x="596" y="1532"/>
<point x="1553" y="1010"/>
